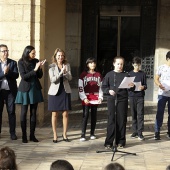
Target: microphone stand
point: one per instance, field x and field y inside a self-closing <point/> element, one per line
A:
<point x="114" y="150"/>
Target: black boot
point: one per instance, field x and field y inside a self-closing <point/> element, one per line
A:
<point x="32" y="131"/>
<point x="24" y="133"/>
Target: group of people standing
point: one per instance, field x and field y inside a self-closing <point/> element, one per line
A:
<point x="28" y="93"/>
<point x="91" y="87"/>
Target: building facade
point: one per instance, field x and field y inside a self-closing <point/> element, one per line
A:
<point x="85" y="28"/>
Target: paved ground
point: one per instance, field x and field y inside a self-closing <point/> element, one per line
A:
<point x="151" y="154"/>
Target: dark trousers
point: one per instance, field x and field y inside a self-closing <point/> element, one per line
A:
<point x="121" y="109"/>
<point x="7" y="97"/>
<point x="86" y="116"/>
<point x="137" y="111"/>
<point x="162" y="101"/>
<point x="33" y="111"/>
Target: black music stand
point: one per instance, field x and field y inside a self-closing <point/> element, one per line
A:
<point x="114" y="150"/>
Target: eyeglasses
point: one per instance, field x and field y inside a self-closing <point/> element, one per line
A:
<point x="5" y="51"/>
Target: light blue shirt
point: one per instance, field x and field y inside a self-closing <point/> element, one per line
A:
<point x="4" y="84"/>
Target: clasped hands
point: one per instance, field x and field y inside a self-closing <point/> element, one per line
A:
<point x="39" y="65"/>
<point x="64" y="69"/>
<point x="6" y="69"/>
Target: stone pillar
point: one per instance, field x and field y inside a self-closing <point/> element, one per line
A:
<point x="38" y="41"/>
<point x="22" y="23"/>
<point x="162" y="36"/>
<point x="73" y="41"/>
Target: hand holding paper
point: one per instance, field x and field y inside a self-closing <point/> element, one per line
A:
<point x="166" y="85"/>
<point x="138" y="85"/>
<point x="126" y="83"/>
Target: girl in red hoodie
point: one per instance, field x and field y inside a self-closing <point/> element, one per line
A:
<point x="91" y="95"/>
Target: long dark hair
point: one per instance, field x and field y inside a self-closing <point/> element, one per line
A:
<point x="90" y="60"/>
<point x="25" y="55"/>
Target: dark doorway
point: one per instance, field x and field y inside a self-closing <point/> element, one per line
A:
<point x="117" y="36"/>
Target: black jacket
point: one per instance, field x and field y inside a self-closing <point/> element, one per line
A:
<point x="27" y="74"/>
<point x="111" y="81"/>
<point x="11" y="76"/>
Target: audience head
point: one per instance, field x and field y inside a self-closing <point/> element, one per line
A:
<point x="168" y="55"/>
<point x="168" y="167"/>
<point x="61" y="165"/>
<point x="114" y="166"/>
<point x="7" y="159"/>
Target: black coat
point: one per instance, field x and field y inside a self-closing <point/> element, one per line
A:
<point x="11" y="76"/>
<point x="27" y="74"/>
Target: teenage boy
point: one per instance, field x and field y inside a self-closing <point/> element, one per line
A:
<point x="162" y="79"/>
<point x="136" y="99"/>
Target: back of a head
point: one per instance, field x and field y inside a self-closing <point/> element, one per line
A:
<point x="168" y="55"/>
<point x="114" y="166"/>
<point x="61" y="165"/>
<point x="168" y="167"/>
<point x="7" y="159"/>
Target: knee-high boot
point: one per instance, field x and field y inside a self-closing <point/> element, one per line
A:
<point x="24" y="131"/>
<point x="32" y="132"/>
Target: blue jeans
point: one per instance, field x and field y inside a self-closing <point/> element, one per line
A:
<point x="162" y="100"/>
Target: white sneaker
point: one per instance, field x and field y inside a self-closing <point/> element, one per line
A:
<point x="92" y="137"/>
<point x="82" y="139"/>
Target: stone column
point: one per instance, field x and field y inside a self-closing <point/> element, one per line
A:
<point x="73" y="41"/>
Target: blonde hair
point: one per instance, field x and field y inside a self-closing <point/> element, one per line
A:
<point x="54" y="56"/>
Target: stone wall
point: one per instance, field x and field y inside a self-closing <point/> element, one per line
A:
<point x="22" y="23"/>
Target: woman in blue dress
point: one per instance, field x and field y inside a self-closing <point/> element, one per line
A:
<point x="29" y="90"/>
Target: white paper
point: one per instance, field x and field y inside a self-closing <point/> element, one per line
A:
<point x="166" y="84"/>
<point x="137" y="84"/>
<point x="125" y="82"/>
<point x="94" y="102"/>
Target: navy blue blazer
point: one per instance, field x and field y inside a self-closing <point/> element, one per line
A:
<point x="11" y="76"/>
<point x="27" y="74"/>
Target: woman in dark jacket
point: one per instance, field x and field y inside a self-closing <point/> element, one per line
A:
<point x="29" y="91"/>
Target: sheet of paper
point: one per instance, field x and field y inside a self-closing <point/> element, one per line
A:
<point x="137" y="84"/>
<point x="166" y="84"/>
<point x="94" y="102"/>
<point x="125" y="82"/>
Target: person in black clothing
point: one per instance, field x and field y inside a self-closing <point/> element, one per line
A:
<point x="8" y="88"/>
<point x="136" y="99"/>
<point x="110" y="86"/>
<point x="29" y="90"/>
